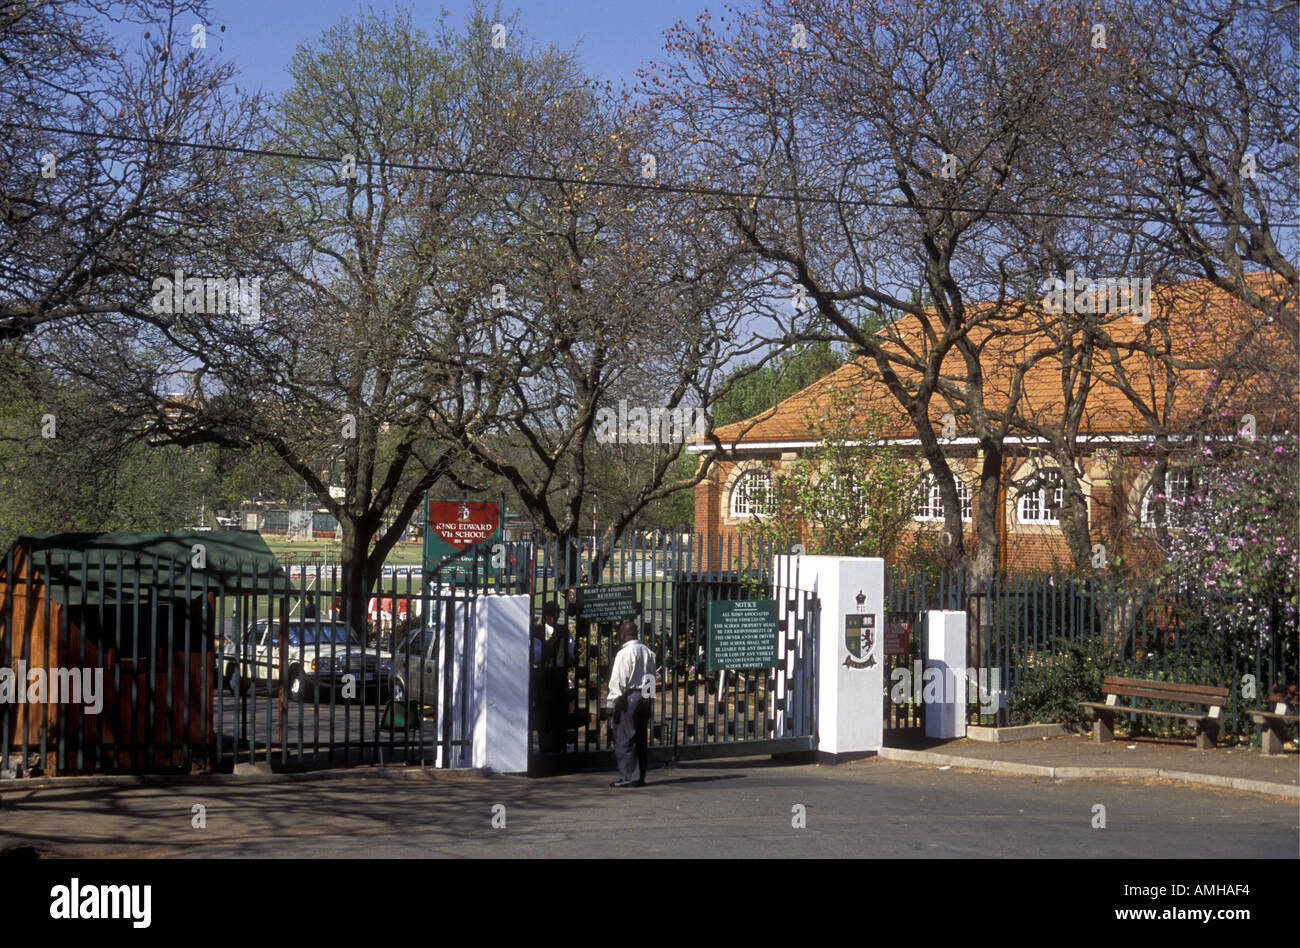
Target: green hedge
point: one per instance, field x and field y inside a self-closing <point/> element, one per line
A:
<point x="1049" y="693"/>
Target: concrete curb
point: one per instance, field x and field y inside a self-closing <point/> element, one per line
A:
<point x="1234" y="783"/>
<point x="1021" y="732"/>
<point x="191" y="780"/>
<point x="1090" y="773"/>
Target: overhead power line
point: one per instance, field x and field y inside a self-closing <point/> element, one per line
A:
<point x="647" y="186"/>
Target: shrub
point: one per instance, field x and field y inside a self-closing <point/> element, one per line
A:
<point x="1069" y="671"/>
<point x="1237" y="536"/>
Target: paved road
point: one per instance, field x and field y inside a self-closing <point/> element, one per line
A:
<point x="353" y="731"/>
<point x="873" y="808"/>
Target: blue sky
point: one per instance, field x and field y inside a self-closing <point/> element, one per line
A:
<point x="612" y="38"/>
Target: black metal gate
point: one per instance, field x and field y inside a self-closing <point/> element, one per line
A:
<point x="696" y="713"/>
<point x="307" y="691"/>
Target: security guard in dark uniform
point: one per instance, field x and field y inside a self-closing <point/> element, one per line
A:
<point x="552" y="651"/>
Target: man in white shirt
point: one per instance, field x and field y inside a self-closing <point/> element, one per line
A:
<point x="631" y="696"/>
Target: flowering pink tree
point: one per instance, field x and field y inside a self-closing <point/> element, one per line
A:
<point x="1235" y="534"/>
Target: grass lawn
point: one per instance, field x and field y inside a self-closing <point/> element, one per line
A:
<point x="657" y="593"/>
<point x="329" y="551"/>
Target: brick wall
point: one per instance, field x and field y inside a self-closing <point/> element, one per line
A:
<point x="1111" y="482"/>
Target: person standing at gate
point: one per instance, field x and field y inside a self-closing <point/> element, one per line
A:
<point x="631" y="686"/>
<point x="552" y="646"/>
<point x="552" y="654"/>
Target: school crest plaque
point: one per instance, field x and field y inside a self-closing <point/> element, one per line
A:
<point x="860" y="636"/>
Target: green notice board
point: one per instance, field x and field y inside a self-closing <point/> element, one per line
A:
<point x="613" y="602"/>
<point x="742" y="634"/>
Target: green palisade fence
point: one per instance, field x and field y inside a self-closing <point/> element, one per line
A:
<point x="1020" y="621"/>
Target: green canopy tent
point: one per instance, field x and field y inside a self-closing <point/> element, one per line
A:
<point x="139" y="608"/>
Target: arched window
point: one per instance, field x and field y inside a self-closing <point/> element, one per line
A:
<point x="930" y="503"/>
<point x="1042" y="502"/>
<point x="1178" y="488"/>
<point x="751" y="495"/>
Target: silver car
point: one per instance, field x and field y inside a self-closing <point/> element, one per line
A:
<point x="415" y="666"/>
<point x="316" y="655"/>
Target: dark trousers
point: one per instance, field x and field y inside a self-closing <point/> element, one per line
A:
<point x="551" y="708"/>
<point x="630" y="737"/>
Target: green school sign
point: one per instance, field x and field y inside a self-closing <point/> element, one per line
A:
<point x="461" y="538"/>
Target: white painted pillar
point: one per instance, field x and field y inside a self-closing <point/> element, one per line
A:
<point x="944" y="684"/>
<point x="850" y="674"/>
<point x="490" y="690"/>
<point x="501" y="725"/>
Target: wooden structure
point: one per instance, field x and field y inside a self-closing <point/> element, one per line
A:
<point x="1206" y="723"/>
<point x="1275" y="722"/>
<point x="119" y="630"/>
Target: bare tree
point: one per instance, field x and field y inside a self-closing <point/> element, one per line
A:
<point x="1211" y="113"/>
<point x="885" y="146"/>
<point x="351" y="265"/>
<point x="1187" y="159"/>
<point x="88" y="194"/>
<point x="611" y="298"/>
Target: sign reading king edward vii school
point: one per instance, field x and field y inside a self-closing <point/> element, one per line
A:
<point x="459" y="537"/>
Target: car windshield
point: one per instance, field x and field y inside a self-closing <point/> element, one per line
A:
<point x="325" y="634"/>
<point x="418" y="641"/>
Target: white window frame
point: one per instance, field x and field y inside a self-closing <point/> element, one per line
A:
<point x="930" y="509"/>
<point x="1178" y="485"/>
<point x="740" y="503"/>
<point x="1031" y="506"/>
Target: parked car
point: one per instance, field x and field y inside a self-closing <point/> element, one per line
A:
<point x="317" y="655"/>
<point x="415" y="666"/>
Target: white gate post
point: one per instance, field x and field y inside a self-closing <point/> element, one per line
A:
<point x="945" y="675"/>
<point x="850" y="672"/>
<point x="491" y="689"/>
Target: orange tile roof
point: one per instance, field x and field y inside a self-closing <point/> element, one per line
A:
<point x="1203" y="325"/>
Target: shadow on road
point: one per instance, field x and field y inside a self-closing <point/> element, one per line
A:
<point x="660" y="783"/>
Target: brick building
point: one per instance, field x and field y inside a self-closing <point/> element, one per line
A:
<point x="1131" y="394"/>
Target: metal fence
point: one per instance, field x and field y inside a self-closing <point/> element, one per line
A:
<point x="697" y="712"/>
<point x="203" y="669"/>
<point x="199" y="670"/>
<point x="1019" y="624"/>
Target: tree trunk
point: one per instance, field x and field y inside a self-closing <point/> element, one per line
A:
<point x="989" y="514"/>
<point x="1074" y="516"/>
<point x="357" y="580"/>
<point x="983" y="567"/>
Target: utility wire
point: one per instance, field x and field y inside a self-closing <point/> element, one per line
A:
<point x="795" y="198"/>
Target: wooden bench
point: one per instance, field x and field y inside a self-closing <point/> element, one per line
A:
<point x="1275" y="721"/>
<point x="1172" y="692"/>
